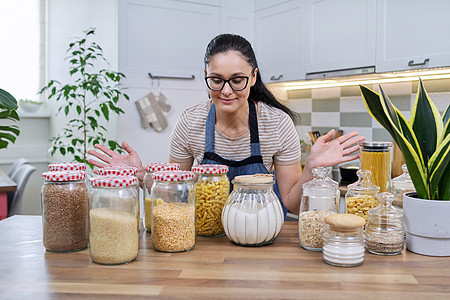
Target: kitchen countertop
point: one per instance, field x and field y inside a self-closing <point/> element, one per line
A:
<point x="215" y="268"/>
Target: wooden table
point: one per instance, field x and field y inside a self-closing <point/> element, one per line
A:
<point x="6" y="185"/>
<point x="215" y="268"/>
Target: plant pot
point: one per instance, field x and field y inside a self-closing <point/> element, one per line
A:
<point x="427" y="225"/>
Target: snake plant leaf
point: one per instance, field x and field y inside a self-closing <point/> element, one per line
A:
<point x="438" y="164"/>
<point x="446" y="116"/>
<point x="444" y="185"/>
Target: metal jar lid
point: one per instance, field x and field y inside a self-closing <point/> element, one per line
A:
<point x="375" y="146"/>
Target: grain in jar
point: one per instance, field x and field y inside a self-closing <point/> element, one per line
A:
<point x="361" y="195"/>
<point x="173" y="211"/>
<point x="211" y="189"/>
<point x="65" y="204"/>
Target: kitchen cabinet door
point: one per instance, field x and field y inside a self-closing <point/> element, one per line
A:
<point x="340" y="34"/>
<point x="237" y="21"/>
<point x="279" y="35"/>
<point x="165" y="38"/>
<point x="412" y="34"/>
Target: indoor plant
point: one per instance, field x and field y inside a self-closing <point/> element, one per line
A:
<point x="92" y="96"/>
<point x="8" y="107"/>
<point x="424" y="141"/>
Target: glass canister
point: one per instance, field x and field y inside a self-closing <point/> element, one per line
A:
<point x="384" y="230"/>
<point x="69" y="166"/>
<point x="343" y="240"/>
<point x="212" y="189"/>
<point x="114" y="235"/>
<point x="65" y="205"/>
<point x="148" y="183"/>
<point x="319" y="199"/>
<point x="376" y="157"/>
<point x="361" y="195"/>
<point x="400" y="185"/>
<point x="173" y="211"/>
<point x="252" y="215"/>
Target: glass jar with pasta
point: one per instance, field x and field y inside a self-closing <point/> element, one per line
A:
<point x="361" y="195"/>
<point x="212" y="188"/>
<point x="376" y="157"/>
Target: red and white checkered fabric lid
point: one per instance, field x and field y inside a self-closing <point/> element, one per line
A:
<point x="173" y="175"/>
<point x="63" y="175"/>
<point x="156" y="167"/>
<point x="70" y="166"/>
<point x="117" y="171"/>
<point x="112" y="181"/>
<point x="210" y="169"/>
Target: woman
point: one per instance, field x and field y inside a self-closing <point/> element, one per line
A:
<point x="244" y="127"/>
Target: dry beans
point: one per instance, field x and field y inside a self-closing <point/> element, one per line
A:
<point x="65" y="216"/>
<point x="210" y="198"/>
<point x="360" y="205"/>
<point x="311" y="225"/>
<point x="173" y="227"/>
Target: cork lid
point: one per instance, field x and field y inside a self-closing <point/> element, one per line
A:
<point x="256" y="178"/>
<point x="345" y="222"/>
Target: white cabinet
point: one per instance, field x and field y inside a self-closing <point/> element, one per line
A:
<point x="412" y="34"/>
<point x="237" y="21"/>
<point x="279" y="41"/>
<point x="165" y="38"/>
<point x="340" y="34"/>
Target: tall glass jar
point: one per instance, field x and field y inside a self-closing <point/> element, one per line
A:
<point x="252" y="215"/>
<point x="173" y="211"/>
<point x="361" y="195"/>
<point x="69" y="166"/>
<point x="65" y="205"/>
<point x="343" y="240"/>
<point x="400" y="185"/>
<point x="148" y="183"/>
<point x="376" y="157"/>
<point x="114" y="235"/>
<point x="384" y="230"/>
<point x="212" y="188"/>
<point x="319" y="199"/>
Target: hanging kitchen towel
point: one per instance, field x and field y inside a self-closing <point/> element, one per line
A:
<point x="151" y="113"/>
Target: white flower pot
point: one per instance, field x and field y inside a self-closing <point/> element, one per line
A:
<point x="427" y="225"/>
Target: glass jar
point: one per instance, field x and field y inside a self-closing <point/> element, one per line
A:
<point x="376" y="157"/>
<point x="148" y="182"/>
<point x="343" y="240"/>
<point x="384" y="230"/>
<point x="212" y="189"/>
<point x="361" y="195"/>
<point x="173" y="211"/>
<point x="319" y="198"/>
<point x="65" y="205"/>
<point x="70" y="166"/>
<point x="400" y="185"/>
<point x="252" y="215"/>
<point x="114" y="235"/>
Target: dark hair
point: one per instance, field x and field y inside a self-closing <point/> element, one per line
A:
<point x="258" y="92"/>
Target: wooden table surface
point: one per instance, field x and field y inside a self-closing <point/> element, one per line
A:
<point x="215" y="268"/>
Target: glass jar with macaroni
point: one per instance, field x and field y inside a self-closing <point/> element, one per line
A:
<point x="212" y="188"/>
<point x="376" y="157"/>
<point x="361" y="195"/>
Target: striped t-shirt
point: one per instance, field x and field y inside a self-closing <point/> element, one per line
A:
<point x="279" y="140"/>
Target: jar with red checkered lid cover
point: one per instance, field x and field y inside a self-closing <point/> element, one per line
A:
<point x="148" y="182"/>
<point x="173" y="211"/>
<point x="114" y="219"/>
<point x="65" y="205"/>
<point x="117" y="171"/>
<point x="212" y="189"/>
<point x="67" y="166"/>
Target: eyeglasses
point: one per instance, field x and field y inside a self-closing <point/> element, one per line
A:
<point x="237" y="83"/>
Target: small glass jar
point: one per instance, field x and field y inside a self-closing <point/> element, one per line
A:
<point x="173" y="211"/>
<point x="384" y="230"/>
<point x="343" y="240"/>
<point x="65" y="205"/>
<point x="376" y="157"/>
<point x="212" y="189"/>
<point x="70" y="166"/>
<point x="361" y="195"/>
<point x="252" y="215"/>
<point x="148" y="183"/>
<point x="114" y="235"/>
<point x="319" y="198"/>
<point x="400" y="185"/>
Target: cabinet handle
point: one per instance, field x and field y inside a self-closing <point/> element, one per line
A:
<point x="276" y="78"/>
<point x="412" y="64"/>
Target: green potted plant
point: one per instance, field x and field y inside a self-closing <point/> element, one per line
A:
<point x="8" y="107"/>
<point x="424" y="141"/>
<point x="92" y="97"/>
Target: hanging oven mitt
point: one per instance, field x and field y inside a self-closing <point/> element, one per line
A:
<point x="163" y="103"/>
<point x="151" y="113"/>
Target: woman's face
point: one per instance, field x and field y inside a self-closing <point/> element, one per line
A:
<point x="227" y="65"/>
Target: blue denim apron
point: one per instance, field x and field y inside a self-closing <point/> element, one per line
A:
<point x="248" y="166"/>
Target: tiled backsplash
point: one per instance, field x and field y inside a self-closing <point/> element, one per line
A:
<point x="343" y="107"/>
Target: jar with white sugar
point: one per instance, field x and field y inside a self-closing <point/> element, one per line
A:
<point x="343" y="240"/>
<point x="252" y="215"/>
